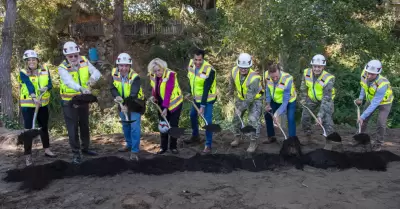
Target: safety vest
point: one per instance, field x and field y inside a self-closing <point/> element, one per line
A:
<point x="197" y="81"/>
<point x="80" y="76"/>
<point x="117" y="81"/>
<point x="316" y="89"/>
<point x="40" y="80"/>
<point x="176" y="96"/>
<point x="243" y="88"/>
<point x="370" y="89"/>
<point x="277" y="91"/>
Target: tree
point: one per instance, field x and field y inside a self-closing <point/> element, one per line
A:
<point x="5" y="59"/>
<point x="118" y="22"/>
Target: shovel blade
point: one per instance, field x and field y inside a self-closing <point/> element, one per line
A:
<point x="127" y="121"/>
<point x="362" y="138"/>
<point x="213" y="128"/>
<point x="27" y="136"/>
<point x="176" y="132"/>
<point x="335" y="137"/>
<point x="248" y="129"/>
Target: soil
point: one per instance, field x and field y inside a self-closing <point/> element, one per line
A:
<point x="230" y="178"/>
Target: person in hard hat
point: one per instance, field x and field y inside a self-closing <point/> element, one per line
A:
<point x="203" y="88"/>
<point x="126" y="83"/>
<point x="77" y="74"/>
<point x="280" y="97"/>
<point x="379" y="95"/>
<point x="247" y="83"/>
<point x="317" y="89"/>
<point x="167" y="94"/>
<point x="35" y="82"/>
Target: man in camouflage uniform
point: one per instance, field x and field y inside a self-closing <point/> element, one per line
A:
<point x="317" y="90"/>
<point x="247" y="83"/>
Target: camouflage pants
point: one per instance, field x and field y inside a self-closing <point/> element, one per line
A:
<point x="380" y="132"/>
<point x="254" y="115"/>
<point x="327" y="122"/>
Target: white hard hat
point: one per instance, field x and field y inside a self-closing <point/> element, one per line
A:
<point x="318" y="59"/>
<point x="70" y="48"/>
<point x="163" y="127"/>
<point x="374" y="67"/>
<point x="124" y="58"/>
<point x="30" y="54"/>
<point x="244" y="61"/>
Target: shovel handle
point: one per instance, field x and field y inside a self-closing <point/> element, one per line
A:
<point x="197" y="109"/>
<point x="159" y="110"/>
<point x="277" y="124"/>
<point x="237" y="113"/>
<point x="37" y="106"/>
<point x="358" y="116"/>
<point x="315" y="117"/>
<point x="120" y="105"/>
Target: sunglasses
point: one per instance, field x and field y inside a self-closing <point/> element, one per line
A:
<point x="72" y="56"/>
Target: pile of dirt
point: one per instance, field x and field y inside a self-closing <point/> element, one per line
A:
<point x="38" y="177"/>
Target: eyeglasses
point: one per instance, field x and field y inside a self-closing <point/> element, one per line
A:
<point x="72" y="56"/>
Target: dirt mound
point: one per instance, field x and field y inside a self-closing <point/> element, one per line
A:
<point x="38" y="177"/>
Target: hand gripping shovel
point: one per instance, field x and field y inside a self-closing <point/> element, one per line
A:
<point x="244" y="129"/>
<point x="208" y="127"/>
<point x="360" y="138"/>
<point x="333" y="136"/>
<point x="28" y="135"/>
<point x="126" y="115"/>
<point x="175" y="132"/>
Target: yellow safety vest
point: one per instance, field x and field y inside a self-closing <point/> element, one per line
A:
<point x="278" y="90"/>
<point x="117" y="81"/>
<point x="38" y="81"/>
<point x="80" y="76"/>
<point x="243" y="88"/>
<point x="316" y="90"/>
<point x="370" y="90"/>
<point x="176" y="95"/>
<point x="197" y="81"/>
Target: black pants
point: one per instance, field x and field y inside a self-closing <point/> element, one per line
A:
<point x="42" y="119"/>
<point x="74" y="118"/>
<point x="173" y="119"/>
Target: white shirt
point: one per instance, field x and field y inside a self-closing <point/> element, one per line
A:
<point x="69" y="81"/>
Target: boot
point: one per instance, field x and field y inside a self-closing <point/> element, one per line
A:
<point x="270" y="140"/>
<point x="124" y="149"/>
<point x="28" y="160"/>
<point x="134" y="156"/>
<point x="76" y="158"/>
<point x="236" y="141"/>
<point x="252" y="147"/>
<point x="192" y="139"/>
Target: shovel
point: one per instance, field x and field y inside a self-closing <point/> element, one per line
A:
<point x="126" y="115"/>
<point x="333" y="136"/>
<point x="361" y="138"/>
<point x="208" y="127"/>
<point x="28" y="135"/>
<point x="278" y="125"/>
<point x="175" y="132"/>
<point x="244" y="129"/>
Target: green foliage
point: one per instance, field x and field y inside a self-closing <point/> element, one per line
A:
<point x="8" y="123"/>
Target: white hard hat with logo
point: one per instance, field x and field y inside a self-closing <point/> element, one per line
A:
<point x="244" y="61"/>
<point x="70" y="48"/>
<point x="30" y="54"/>
<point x="318" y="59"/>
<point x="374" y="67"/>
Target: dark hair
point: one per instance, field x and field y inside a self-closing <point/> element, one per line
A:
<point x="273" y="68"/>
<point x="200" y="52"/>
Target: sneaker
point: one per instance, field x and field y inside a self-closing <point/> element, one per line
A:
<point x="269" y="140"/>
<point x="252" y="147"/>
<point x="235" y="142"/>
<point x="161" y="151"/>
<point x="124" y="149"/>
<point x="134" y="156"/>
<point x="28" y="160"/>
<point x="49" y="153"/>
<point x="76" y="159"/>
<point x="89" y="152"/>
<point x="207" y="150"/>
<point x="192" y="139"/>
<point x="174" y="151"/>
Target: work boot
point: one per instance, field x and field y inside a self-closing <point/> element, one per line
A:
<point x="28" y="160"/>
<point x="252" y="147"/>
<point x="124" y="149"/>
<point x="76" y="158"/>
<point x="236" y="141"/>
<point x="270" y="140"/>
<point x="192" y="139"/>
<point x="89" y="152"/>
<point x="134" y="156"/>
<point x="376" y="146"/>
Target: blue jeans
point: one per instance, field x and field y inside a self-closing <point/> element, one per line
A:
<point x="208" y="113"/>
<point x="131" y="131"/>
<point x="291" y="112"/>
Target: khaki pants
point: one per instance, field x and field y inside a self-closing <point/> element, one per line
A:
<point x="380" y="132"/>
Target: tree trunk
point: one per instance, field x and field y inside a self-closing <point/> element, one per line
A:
<point x="7" y="34"/>
<point x="118" y="22"/>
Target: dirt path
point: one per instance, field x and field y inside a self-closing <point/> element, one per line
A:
<point x="283" y="188"/>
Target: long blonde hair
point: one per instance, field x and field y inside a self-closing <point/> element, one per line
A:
<point x="156" y="62"/>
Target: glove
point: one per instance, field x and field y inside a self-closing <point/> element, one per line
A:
<point x="36" y="101"/>
<point x="124" y="108"/>
<point x="302" y="101"/>
<point x="118" y="99"/>
<point x="85" y="91"/>
<point x="91" y="82"/>
<point x="42" y="90"/>
<point x="268" y="108"/>
<point x="359" y="101"/>
<point x="153" y="99"/>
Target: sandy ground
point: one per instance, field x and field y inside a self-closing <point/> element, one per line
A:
<point x="282" y="188"/>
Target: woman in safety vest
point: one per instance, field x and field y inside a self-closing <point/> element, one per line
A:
<point x="35" y="83"/>
<point x="126" y="83"/>
<point x="167" y="94"/>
